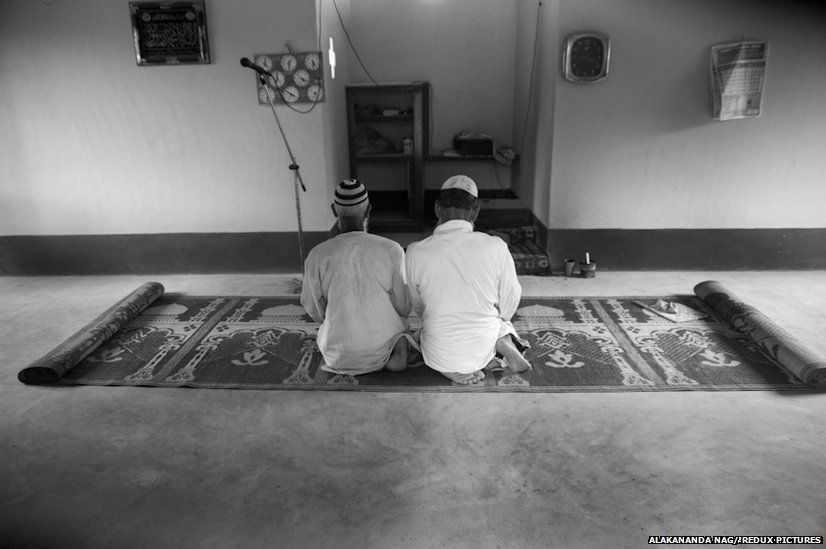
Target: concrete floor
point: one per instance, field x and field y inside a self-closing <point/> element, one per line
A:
<point x="121" y="467"/>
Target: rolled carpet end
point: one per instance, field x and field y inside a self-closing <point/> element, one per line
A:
<point x="817" y="377"/>
<point x="37" y="376"/>
<point x="777" y="342"/>
<point x="53" y="365"/>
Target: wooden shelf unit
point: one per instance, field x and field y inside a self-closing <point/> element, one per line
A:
<point x="365" y="104"/>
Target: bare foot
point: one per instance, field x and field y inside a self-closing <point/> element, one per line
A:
<point x="494" y="365"/>
<point x="518" y="365"/>
<point x="414" y="359"/>
<point x="465" y="379"/>
<point x="398" y="357"/>
<point x="514" y="360"/>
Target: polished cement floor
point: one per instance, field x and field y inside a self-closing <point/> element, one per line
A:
<point x="121" y="467"/>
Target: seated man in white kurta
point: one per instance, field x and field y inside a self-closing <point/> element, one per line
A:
<point x="354" y="285"/>
<point x="464" y="286"/>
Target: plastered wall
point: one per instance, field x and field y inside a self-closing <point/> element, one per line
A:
<point x="93" y="144"/>
<point x="640" y="150"/>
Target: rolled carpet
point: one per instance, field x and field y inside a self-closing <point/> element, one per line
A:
<point x="50" y="367"/>
<point x="776" y="341"/>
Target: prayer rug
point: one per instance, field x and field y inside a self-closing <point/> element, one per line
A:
<point x="577" y="344"/>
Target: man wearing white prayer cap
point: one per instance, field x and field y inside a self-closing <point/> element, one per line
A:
<point x="464" y="286"/>
<point x="354" y="285"/>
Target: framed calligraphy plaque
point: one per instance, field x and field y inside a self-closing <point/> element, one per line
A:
<point x="167" y="33"/>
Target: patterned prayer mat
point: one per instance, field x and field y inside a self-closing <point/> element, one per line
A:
<point x="580" y="344"/>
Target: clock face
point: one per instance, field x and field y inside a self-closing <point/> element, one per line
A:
<point x="288" y="63"/>
<point x="312" y="61"/>
<point x="586" y="57"/>
<point x="301" y="77"/>
<point x="264" y="61"/>
<point x="290" y="94"/>
<point x="262" y="95"/>
<point x="315" y="93"/>
<point x="279" y="78"/>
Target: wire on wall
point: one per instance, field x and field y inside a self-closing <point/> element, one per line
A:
<point x="350" y="42"/>
<point x="318" y="27"/>
<point x="530" y="80"/>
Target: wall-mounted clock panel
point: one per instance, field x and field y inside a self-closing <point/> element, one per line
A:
<point x="296" y="77"/>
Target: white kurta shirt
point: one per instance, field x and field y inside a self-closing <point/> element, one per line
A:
<point x="354" y="286"/>
<point x="464" y="285"/>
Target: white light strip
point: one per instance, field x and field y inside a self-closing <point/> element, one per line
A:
<point x="331" y="53"/>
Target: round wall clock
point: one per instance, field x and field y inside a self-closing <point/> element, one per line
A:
<point x="315" y="93"/>
<point x="288" y="62"/>
<point x="290" y="94"/>
<point x="585" y="57"/>
<point x="301" y="77"/>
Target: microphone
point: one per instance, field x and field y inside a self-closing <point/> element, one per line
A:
<point x="245" y="62"/>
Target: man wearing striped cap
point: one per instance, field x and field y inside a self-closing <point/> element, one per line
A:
<point x="354" y="285"/>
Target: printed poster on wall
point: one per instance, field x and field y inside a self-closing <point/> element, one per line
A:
<point x="738" y="72"/>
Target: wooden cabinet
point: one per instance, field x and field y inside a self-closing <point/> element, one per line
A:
<point x="389" y="139"/>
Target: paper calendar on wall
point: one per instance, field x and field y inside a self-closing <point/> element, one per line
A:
<point x="738" y="73"/>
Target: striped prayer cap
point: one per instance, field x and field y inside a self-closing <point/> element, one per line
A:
<point x="350" y="192"/>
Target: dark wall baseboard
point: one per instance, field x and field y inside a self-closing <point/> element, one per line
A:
<point x="612" y="249"/>
<point x="712" y="249"/>
<point x="154" y="253"/>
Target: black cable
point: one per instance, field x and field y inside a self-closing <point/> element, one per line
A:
<point x="352" y="47"/>
<point x="530" y="81"/>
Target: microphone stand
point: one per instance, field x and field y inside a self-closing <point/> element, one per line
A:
<point x="297" y="180"/>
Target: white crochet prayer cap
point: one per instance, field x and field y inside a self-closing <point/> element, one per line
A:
<point x="351" y="197"/>
<point x="461" y="182"/>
